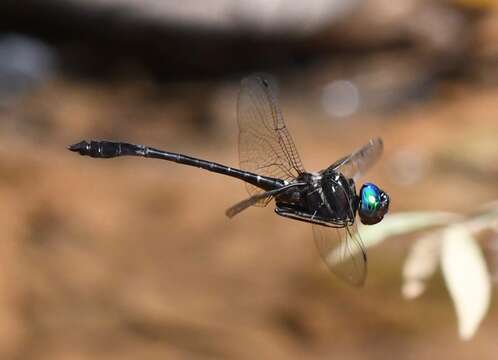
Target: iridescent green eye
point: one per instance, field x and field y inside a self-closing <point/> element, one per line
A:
<point x="370" y="198"/>
<point x="373" y="204"/>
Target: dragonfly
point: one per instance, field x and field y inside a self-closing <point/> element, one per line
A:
<point x="271" y="168"/>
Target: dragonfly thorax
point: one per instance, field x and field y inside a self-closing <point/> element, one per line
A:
<point x="340" y="195"/>
<point x="328" y="198"/>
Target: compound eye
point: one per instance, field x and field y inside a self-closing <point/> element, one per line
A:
<point x="374" y="204"/>
<point x="370" y="199"/>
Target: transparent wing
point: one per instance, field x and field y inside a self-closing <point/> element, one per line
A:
<point x="265" y="145"/>
<point x="244" y="204"/>
<point x="254" y="199"/>
<point x="355" y="165"/>
<point x="343" y="251"/>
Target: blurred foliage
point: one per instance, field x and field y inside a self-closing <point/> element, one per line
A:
<point x="451" y="240"/>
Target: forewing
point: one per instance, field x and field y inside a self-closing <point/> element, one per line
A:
<point x="343" y="251"/>
<point x="358" y="163"/>
<point x="265" y="145"/>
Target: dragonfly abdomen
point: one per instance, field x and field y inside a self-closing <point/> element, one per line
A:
<point x="110" y="149"/>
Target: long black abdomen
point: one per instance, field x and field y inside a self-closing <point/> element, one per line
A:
<point x="110" y="149"/>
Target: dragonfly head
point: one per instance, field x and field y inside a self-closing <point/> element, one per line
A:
<point x="373" y="204"/>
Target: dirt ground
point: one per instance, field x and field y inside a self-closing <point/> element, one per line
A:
<point x="135" y="259"/>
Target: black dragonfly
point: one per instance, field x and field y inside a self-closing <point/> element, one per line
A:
<point x="271" y="168"/>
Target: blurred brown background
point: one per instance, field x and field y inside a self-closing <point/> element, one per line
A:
<point x="134" y="259"/>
